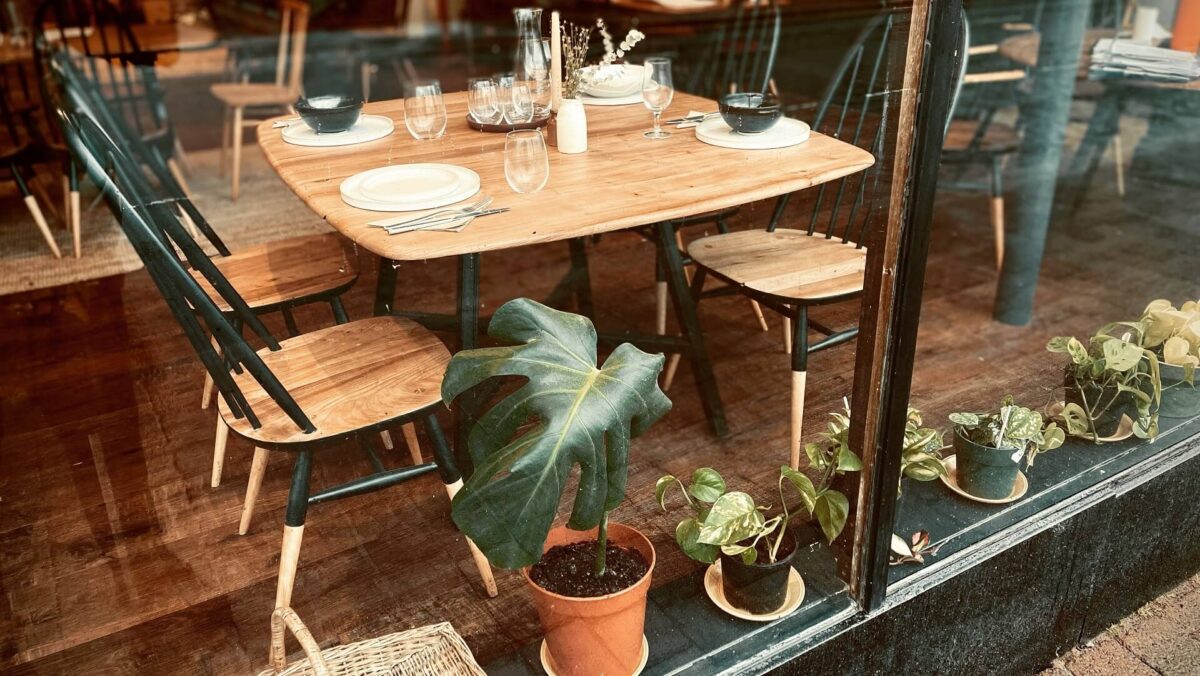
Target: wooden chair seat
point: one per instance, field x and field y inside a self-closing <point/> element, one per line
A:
<point x="347" y="378"/>
<point x="790" y="265"/>
<point x="998" y="138"/>
<point x="285" y="272"/>
<point x="248" y="94"/>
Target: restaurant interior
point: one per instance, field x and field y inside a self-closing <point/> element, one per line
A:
<point x="220" y="321"/>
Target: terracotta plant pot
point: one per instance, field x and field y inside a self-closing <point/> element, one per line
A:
<point x="983" y="471"/>
<point x="758" y="587"/>
<point x="1179" y="399"/>
<point x="601" y="634"/>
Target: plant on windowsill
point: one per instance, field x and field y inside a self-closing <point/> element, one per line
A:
<point x="1173" y="335"/>
<point x="589" y="579"/>
<point x="921" y="458"/>
<point x="756" y="552"/>
<point x="1110" y="378"/>
<point x="989" y="447"/>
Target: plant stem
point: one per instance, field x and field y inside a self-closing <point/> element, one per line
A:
<point x="602" y="546"/>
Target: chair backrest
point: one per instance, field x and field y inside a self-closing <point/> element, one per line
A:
<point x="101" y="43"/>
<point x="154" y="230"/>
<point x="293" y="34"/>
<point x="744" y="50"/>
<point x="72" y="91"/>
<point x="855" y="108"/>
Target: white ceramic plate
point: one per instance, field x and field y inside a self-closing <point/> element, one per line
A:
<point x="627" y="83"/>
<point x="409" y="187"/>
<point x="786" y="132"/>
<point x="632" y="99"/>
<point x="368" y="128"/>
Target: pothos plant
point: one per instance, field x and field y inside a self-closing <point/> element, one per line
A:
<point x="1173" y="334"/>
<point x="921" y="457"/>
<point x="732" y="523"/>
<point x="1011" y="427"/>
<point x="568" y="411"/>
<point x="1106" y="370"/>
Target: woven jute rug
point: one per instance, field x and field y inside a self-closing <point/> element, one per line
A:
<point x="266" y="211"/>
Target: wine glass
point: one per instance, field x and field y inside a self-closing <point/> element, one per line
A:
<point x="526" y="164"/>
<point x="425" y="111"/>
<point x="482" y="101"/>
<point x="657" y="90"/>
<point x="518" y="106"/>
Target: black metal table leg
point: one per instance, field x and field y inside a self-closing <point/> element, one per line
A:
<point x="581" y="281"/>
<point x="385" y="287"/>
<point x="468" y="327"/>
<point x="685" y="313"/>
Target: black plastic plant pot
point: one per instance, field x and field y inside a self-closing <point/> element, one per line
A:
<point x="759" y="587"/>
<point x="1107" y="422"/>
<point x="983" y="471"/>
<point x="1179" y="399"/>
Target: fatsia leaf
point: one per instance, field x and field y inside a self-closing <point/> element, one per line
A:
<point x="707" y="485"/>
<point x="585" y="415"/>
<point x="733" y="518"/>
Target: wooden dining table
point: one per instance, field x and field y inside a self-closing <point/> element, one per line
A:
<point x="624" y="181"/>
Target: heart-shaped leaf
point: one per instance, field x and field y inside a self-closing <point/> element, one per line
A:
<point x="733" y="518"/>
<point x="687" y="534"/>
<point x="582" y="415"/>
<point x="832" y="510"/>
<point x="707" y="485"/>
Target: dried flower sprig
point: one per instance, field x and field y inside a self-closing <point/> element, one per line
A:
<point x="633" y="37"/>
<point x="575" y="40"/>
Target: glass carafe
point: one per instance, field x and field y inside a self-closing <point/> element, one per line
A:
<point x="531" y="61"/>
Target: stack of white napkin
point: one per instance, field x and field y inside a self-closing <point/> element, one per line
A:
<point x="1127" y="58"/>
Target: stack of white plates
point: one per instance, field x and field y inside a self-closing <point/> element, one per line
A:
<point x="409" y="187"/>
<point x="368" y="128"/>
<point x="613" y="82"/>
<point x="786" y="132"/>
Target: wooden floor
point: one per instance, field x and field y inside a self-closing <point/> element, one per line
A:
<point x="117" y="557"/>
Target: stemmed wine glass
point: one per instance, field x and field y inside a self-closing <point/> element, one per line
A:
<point x="657" y="91"/>
<point x="425" y="111"/>
<point x="526" y="164"/>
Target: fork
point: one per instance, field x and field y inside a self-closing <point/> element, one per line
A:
<point x="404" y="221"/>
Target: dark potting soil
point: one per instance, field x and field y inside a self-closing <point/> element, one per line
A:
<point x="569" y="570"/>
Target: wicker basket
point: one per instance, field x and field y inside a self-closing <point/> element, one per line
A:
<point x="434" y="649"/>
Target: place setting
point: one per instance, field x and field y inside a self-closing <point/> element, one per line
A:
<point x="332" y="121"/>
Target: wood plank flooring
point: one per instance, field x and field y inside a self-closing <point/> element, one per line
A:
<point x="117" y="557"/>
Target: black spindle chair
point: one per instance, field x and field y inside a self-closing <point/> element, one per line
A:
<point x="822" y="261"/>
<point x="299" y="396"/>
<point x="20" y="149"/>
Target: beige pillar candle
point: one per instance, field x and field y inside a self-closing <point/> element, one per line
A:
<point x="555" y="62"/>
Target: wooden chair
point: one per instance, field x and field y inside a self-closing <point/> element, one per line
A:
<point x="283" y="92"/>
<point x="790" y="270"/>
<point x="300" y="396"/>
<point x="273" y="277"/>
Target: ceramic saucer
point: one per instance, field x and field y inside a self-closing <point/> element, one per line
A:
<point x="545" y="656"/>
<point x="716" y="592"/>
<point x="951" y="480"/>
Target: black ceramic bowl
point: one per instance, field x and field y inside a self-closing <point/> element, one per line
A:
<point x="749" y="113"/>
<point x="329" y="114"/>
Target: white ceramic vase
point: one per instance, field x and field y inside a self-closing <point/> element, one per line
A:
<point x="572" y="127"/>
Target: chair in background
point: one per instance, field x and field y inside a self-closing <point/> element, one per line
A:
<point x="790" y="270"/>
<point x="282" y="93"/>
<point x="20" y="151"/>
<point x="299" y="396"/>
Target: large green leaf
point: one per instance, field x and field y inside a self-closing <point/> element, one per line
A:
<point x="687" y="534"/>
<point x="568" y="412"/>
<point x="832" y="511"/>
<point x="733" y="518"/>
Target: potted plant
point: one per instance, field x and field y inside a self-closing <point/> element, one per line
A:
<point x="567" y="411"/>
<point x="1173" y="334"/>
<point x="1110" y="377"/>
<point x="921" y="457"/>
<point x="756" y="552"/>
<point x="989" y="447"/>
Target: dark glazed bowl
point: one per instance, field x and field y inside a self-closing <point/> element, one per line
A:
<point x="329" y="114"/>
<point x="749" y="113"/>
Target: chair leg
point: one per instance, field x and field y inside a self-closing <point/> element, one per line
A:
<point x="237" y="151"/>
<point x="35" y="211"/>
<point x="386" y="437"/>
<point x="697" y="286"/>
<point x="226" y="140"/>
<point x="758" y="314"/>
<point x="208" y="381"/>
<point x="453" y="482"/>
<point x="66" y="193"/>
<point x="997" y="211"/>
<point x="218" y="464"/>
<point x="293" y="529"/>
<point x="799" y="381"/>
<point x="1119" y="162"/>
<point x="787" y="335"/>
<point x="177" y="173"/>
<point x="258" y="468"/>
<point x="74" y="211"/>
<point x="410" y="439"/>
